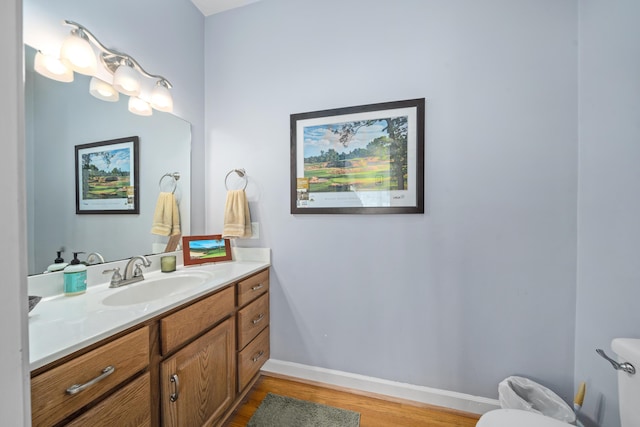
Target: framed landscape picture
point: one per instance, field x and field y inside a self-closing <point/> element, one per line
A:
<point x="204" y="249"/>
<point x="107" y="177"/>
<point x="367" y="159"/>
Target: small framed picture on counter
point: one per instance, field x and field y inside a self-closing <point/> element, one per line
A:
<point x="205" y="249"/>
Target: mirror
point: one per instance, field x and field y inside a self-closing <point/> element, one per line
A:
<point x="59" y="116"/>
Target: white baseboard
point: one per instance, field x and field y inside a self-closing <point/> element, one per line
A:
<point x="431" y="396"/>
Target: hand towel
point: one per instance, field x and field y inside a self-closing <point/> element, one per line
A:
<point x="237" y="219"/>
<point x="166" y="218"/>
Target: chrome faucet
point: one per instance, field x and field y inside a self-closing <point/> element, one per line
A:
<point x="94" y="258"/>
<point x="131" y="275"/>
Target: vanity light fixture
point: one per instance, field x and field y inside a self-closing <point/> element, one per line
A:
<point x="78" y="54"/>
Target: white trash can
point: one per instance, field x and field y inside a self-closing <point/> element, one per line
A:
<point x="522" y="393"/>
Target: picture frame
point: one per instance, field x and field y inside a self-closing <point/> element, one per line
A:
<point x="367" y="159"/>
<point x="107" y="177"/>
<point x="205" y="249"/>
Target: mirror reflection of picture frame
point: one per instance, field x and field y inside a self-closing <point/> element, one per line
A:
<point x="205" y="249"/>
<point x="107" y="177"/>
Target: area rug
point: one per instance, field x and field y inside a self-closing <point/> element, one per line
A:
<point x="281" y="411"/>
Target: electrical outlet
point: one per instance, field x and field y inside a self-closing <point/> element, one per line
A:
<point x="255" y="230"/>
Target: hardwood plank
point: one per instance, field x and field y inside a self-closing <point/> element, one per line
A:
<point x="375" y="411"/>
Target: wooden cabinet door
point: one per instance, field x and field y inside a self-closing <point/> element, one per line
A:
<point x="198" y="382"/>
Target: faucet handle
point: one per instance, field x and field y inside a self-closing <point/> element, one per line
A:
<point x="116" y="278"/>
<point x="138" y="271"/>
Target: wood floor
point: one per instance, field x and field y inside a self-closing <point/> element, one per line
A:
<point x="374" y="411"/>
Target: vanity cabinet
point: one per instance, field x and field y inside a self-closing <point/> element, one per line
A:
<point x="189" y="366"/>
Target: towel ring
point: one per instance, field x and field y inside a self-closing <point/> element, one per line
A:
<point x="241" y="173"/>
<point x="175" y="176"/>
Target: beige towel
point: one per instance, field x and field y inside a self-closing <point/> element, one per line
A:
<point x="166" y="218"/>
<point x="237" y="220"/>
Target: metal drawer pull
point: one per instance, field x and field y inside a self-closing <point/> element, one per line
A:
<point x="174" y="396"/>
<point x="257" y="356"/>
<point x="258" y="319"/>
<point x="77" y="388"/>
<point x="255" y="288"/>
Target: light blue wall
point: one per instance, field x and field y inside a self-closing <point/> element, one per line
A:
<point x="482" y="285"/>
<point x="498" y="240"/>
<point x="609" y="195"/>
<point x="165" y="36"/>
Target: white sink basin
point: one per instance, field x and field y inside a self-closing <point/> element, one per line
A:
<point x="156" y="288"/>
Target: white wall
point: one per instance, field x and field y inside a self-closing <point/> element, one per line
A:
<point x="482" y="285"/>
<point x="14" y="351"/>
<point x="165" y="37"/>
<point x="609" y="185"/>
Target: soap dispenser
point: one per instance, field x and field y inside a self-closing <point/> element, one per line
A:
<point x="75" y="276"/>
<point x="58" y="263"/>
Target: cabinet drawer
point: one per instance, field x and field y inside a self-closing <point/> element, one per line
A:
<point x="50" y="400"/>
<point x="185" y="324"/>
<point x="252" y="319"/>
<point x="251" y="359"/>
<point x="252" y="287"/>
<point x="130" y="406"/>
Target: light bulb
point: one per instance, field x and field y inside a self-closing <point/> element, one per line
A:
<point x="139" y="106"/>
<point x="126" y="80"/>
<point x="77" y="50"/>
<point x="53" y="68"/>
<point x="161" y="98"/>
<point x="103" y="90"/>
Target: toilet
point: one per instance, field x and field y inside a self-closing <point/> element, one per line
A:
<point x="517" y="418"/>
<point x="628" y="350"/>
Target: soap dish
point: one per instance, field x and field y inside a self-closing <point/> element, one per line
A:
<point x="33" y="301"/>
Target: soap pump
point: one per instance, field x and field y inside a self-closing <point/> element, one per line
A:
<point x="58" y="263"/>
<point x="75" y="276"/>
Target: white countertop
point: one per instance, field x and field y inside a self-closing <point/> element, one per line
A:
<point x="60" y="325"/>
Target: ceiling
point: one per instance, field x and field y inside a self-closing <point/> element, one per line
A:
<point x="210" y="7"/>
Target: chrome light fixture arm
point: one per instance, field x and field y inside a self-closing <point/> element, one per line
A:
<point x="112" y="59"/>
